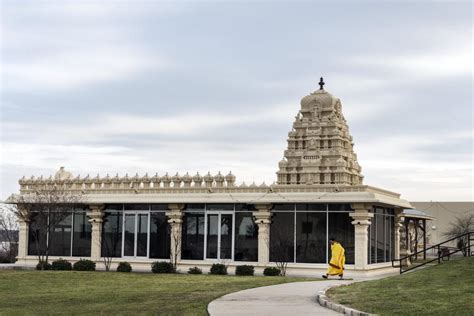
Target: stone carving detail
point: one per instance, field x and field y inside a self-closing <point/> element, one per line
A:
<point x="320" y="148"/>
<point x="136" y="182"/>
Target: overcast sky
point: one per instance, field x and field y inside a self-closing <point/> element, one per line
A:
<point x="146" y="86"/>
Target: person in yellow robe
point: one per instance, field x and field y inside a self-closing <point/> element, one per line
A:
<point x="338" y="259"/>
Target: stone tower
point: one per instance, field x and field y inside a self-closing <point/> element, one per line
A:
<point x="320" y="148"/>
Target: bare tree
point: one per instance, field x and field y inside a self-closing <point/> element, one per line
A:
<point x="461" y="225"/>
<point x="8" y="232"/>
<point x="44" y="209"/>
<point x="280" y="245"/>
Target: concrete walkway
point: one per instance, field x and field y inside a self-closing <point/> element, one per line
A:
<point x="297" y="298"/>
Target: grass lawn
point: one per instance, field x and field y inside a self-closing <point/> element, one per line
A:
<point x="445" y="289"/>
<point x="71" y="292"/>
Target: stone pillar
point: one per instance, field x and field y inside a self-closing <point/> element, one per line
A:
<point x="361" y="221"/>
<point x="263" y="220"/>
<point x="22" y="238"/>
<point x="96" y="215"/>
<point x="175" y="219"/>
<point x="397" y="224"/>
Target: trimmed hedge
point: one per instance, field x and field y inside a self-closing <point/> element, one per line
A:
<point x="61" y="264"/>
<point x="271" y="271"/>
<point x="195" y="270"/>
<point x="244" y="270"/>
<point x="162" y="267"/>
<point x="43" y="265"/>
<point x="218" y="268"/>
<point x="84" y="265"/>
<point x="124" y="267"/>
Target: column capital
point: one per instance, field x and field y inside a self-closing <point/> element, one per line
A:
<point x="176" y="207"/>
<point x="361" y="218"/>
<point x="95" y="213"/>
<point x="175" y="215"/>
<point x="263" y="214"/>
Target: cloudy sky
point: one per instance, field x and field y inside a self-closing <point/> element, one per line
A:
<point x="148" y="86"/>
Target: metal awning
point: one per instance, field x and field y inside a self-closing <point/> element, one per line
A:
<point x="412" y="213"/>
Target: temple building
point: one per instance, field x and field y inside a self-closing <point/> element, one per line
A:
<point x="204" y="219"/>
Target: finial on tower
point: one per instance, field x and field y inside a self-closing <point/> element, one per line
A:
<point x="321" y="84"/>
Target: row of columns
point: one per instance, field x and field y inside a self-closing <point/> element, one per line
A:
<point x="361" y="220"/>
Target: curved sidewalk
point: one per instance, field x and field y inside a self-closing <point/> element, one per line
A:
<point x="298" y="298"/>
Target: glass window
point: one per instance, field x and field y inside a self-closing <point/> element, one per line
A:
<point x="159" y="236"/>
<point x="282" y="237"/>
<point x="36" y="234"/>
<point x="311" y="207"/>
<point x="311" y="237"/>
<point x="112" y="235"/>
<point x="283" y="207"/>
<point x="340" y="228"/>
<point x="129" y="235"/>
<point x="137" y="207"/>
<point x="246" y="237"/>
<point x="220" y="207"/>
<point x="159" y="207"/>
<point x="380" y="237"/>
<point x="245" y="208"/>
<point x="60" y="235"/>
<point x="82" y="235"/>
<point x="142" y="235"/>
<point x="192" y="243"/>
<point x="339" y="207"/>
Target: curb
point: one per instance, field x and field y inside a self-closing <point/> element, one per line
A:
<point x="324" y="301"/>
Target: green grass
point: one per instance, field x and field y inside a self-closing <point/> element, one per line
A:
<point x="445" y="289"/>
<point x="72" y="292"/>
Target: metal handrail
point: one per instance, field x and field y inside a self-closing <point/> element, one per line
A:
<point x="440" y="255"/>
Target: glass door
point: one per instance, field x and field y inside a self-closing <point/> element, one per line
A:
<point x="135" y="234"/>
<point x="219" y="235"/>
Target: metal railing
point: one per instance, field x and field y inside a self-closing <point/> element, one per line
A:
<point x="409" y="263"/>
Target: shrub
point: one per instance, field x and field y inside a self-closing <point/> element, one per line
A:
<point x="84" y="265"/>
<point x="61" y="264"/>
<point x="124" y="267"/>
<point x="244" y="270"/>
<point x="195" y="270"/>
<point x="162" y="267"/>
<point x="271" y="271"/>
<point x="43" y="265"/>
<point x="218" y="268"/>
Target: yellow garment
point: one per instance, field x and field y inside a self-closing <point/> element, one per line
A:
<point x="338" y="259"/>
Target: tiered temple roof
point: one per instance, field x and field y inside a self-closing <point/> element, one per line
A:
<point x="320" y="148"/>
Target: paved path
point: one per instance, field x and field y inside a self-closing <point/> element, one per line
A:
<point x="297" y="298"/>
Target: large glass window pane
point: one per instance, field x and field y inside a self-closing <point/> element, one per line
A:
<point x="81" y="241"/>
<point x="112" y="235"/>
<point x="129" y="235"/>
<point x="212" y="235"/>
<point x="37" y="235"/>
<point x="388" y="238"/>
<point x="226" y="236"/>
<point x="60" y="235"/>
<point x="379" y="218"/>
<point x="311" y="237"/>
<point x="373" y="240"/>
<point x="159" y="236"/>
<point x="142" y="235"/>
<point x="340" y="228"/>
<point x="246" y="237"/>
<point x="282" y="237"/>
<point x="193" y="236"/>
